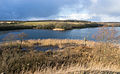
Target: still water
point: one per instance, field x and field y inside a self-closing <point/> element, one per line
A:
<point x="50" y="34"/>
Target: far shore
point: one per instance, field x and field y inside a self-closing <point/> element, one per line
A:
<point x="53" y="25"/>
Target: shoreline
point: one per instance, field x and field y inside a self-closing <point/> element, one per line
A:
<point x="10" y="28"/>
<point x="52" y="24"/>
<point x="47" y="25"/>
<point x="54" y="42"/>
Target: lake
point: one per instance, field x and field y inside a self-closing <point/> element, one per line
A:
<point x="50" y="34"/>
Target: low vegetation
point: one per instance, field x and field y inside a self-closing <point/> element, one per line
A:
<point x="65" y="57"/>
<point x="52" y="56"/>
<point x="51" y="24"/>
<point x="67" y="25"/>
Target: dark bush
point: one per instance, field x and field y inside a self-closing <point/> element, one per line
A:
<point x="46" y="26"/>
<point x="64" y="26"/>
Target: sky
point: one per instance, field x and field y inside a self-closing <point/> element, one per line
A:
<point x="90" y="10"/>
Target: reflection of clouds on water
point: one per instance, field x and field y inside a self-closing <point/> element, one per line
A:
<point x="50" y="34"/>
<point x="83" y="33"/>
<point x="5" y="33"/>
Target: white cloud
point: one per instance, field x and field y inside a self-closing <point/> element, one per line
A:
<point x="34" y="18"/>
<point x="98" y="10"/>
<point x="108" y="7"/>
<point x="94" y="10"/>
<point x="94" y="1"/>
<point x="107" y="18"/>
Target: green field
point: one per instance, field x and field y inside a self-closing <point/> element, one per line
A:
<point x="66" y="25"/>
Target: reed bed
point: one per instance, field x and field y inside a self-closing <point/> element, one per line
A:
<point x="70" y="57"/>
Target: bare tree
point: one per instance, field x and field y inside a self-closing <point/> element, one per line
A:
<point x="107" y="34"/>
<point x="21" y="36"/>
<point x="85" y="40"/>
<point x="10" y="37"/>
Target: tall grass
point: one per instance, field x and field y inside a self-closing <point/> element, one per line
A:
<point x="65" y="56"/>
<point x="71" y="56"/>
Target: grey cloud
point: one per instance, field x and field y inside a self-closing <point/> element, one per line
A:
<point x="20" y="9"/>
<point x="106" y="7"/>
<point x="54" y="9"/>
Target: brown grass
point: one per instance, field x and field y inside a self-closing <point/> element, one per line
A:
<point x="70" y="57"/>
<point x="93" y="69"/>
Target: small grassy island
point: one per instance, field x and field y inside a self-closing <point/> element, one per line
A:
<point x="58" y="29"/>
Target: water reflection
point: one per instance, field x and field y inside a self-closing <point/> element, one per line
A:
<point x="50" y="34"/>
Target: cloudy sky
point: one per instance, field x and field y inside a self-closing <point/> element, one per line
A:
<point x="92" y="10"/>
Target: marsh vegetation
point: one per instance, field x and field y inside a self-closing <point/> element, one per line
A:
<point x="70" y="56"/>
<point x="53" y="56"/>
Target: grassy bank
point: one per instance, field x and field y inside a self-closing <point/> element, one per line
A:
<point x="59" y="57"/>
<point x="66" y="25"/>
